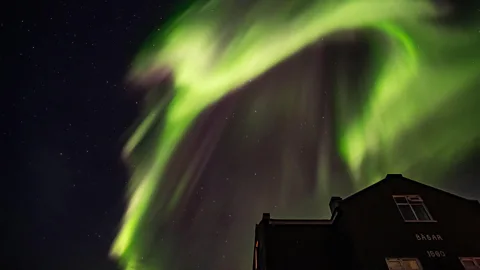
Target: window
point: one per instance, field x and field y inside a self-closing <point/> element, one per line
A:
<point x="471" y="263"/>
<point x="412" y="208"/>
<point x="403" y="264"/>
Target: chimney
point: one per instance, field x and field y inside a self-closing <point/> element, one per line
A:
<point x="334" y="202"/>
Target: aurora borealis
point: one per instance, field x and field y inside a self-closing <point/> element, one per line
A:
<point x="410" y="107"/>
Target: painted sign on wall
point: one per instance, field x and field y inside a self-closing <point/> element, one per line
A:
<point x="435" y="253"/>
<point x="428" y="237"/>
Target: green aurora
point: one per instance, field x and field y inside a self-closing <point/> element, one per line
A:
<point x="423" y="77"/>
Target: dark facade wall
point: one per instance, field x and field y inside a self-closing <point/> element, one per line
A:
<point x="299" y="246"/>
<point x="375" y="229"/>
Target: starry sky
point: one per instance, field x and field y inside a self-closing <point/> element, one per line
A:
<point x="65" y="91"/>
<point x="67" y="112"/>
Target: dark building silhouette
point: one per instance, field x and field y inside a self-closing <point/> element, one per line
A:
<point x="396" y="223"/>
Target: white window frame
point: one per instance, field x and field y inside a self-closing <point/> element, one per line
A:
<point x="472" y="259"/>
<point x="413" y="200"/>
<point x="402" y="261"/>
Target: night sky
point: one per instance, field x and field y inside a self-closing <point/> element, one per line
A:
<point x="66" y="113"/>
<point x="67" y="107"/>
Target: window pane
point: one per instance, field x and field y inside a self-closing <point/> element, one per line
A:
<point x="394" y="265"/>
<point x="400" y="199"/>
<point x="407" y="212"/>
<point x="414" y="198"/>
<point x="468" y="263"/>
<point x="411" y="264"/>
<point x="421" y="212"/>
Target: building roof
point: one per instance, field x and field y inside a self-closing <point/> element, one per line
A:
<point x="388" y="178"/>
<point x="266" y="217"/>
<point x="396" y="177"/>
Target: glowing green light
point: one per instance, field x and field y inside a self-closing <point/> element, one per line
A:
<point x="211" y="53"/>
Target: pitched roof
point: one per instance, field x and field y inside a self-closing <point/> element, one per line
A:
<point x="395" y="177"/>
<point x="388" y="178"/>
